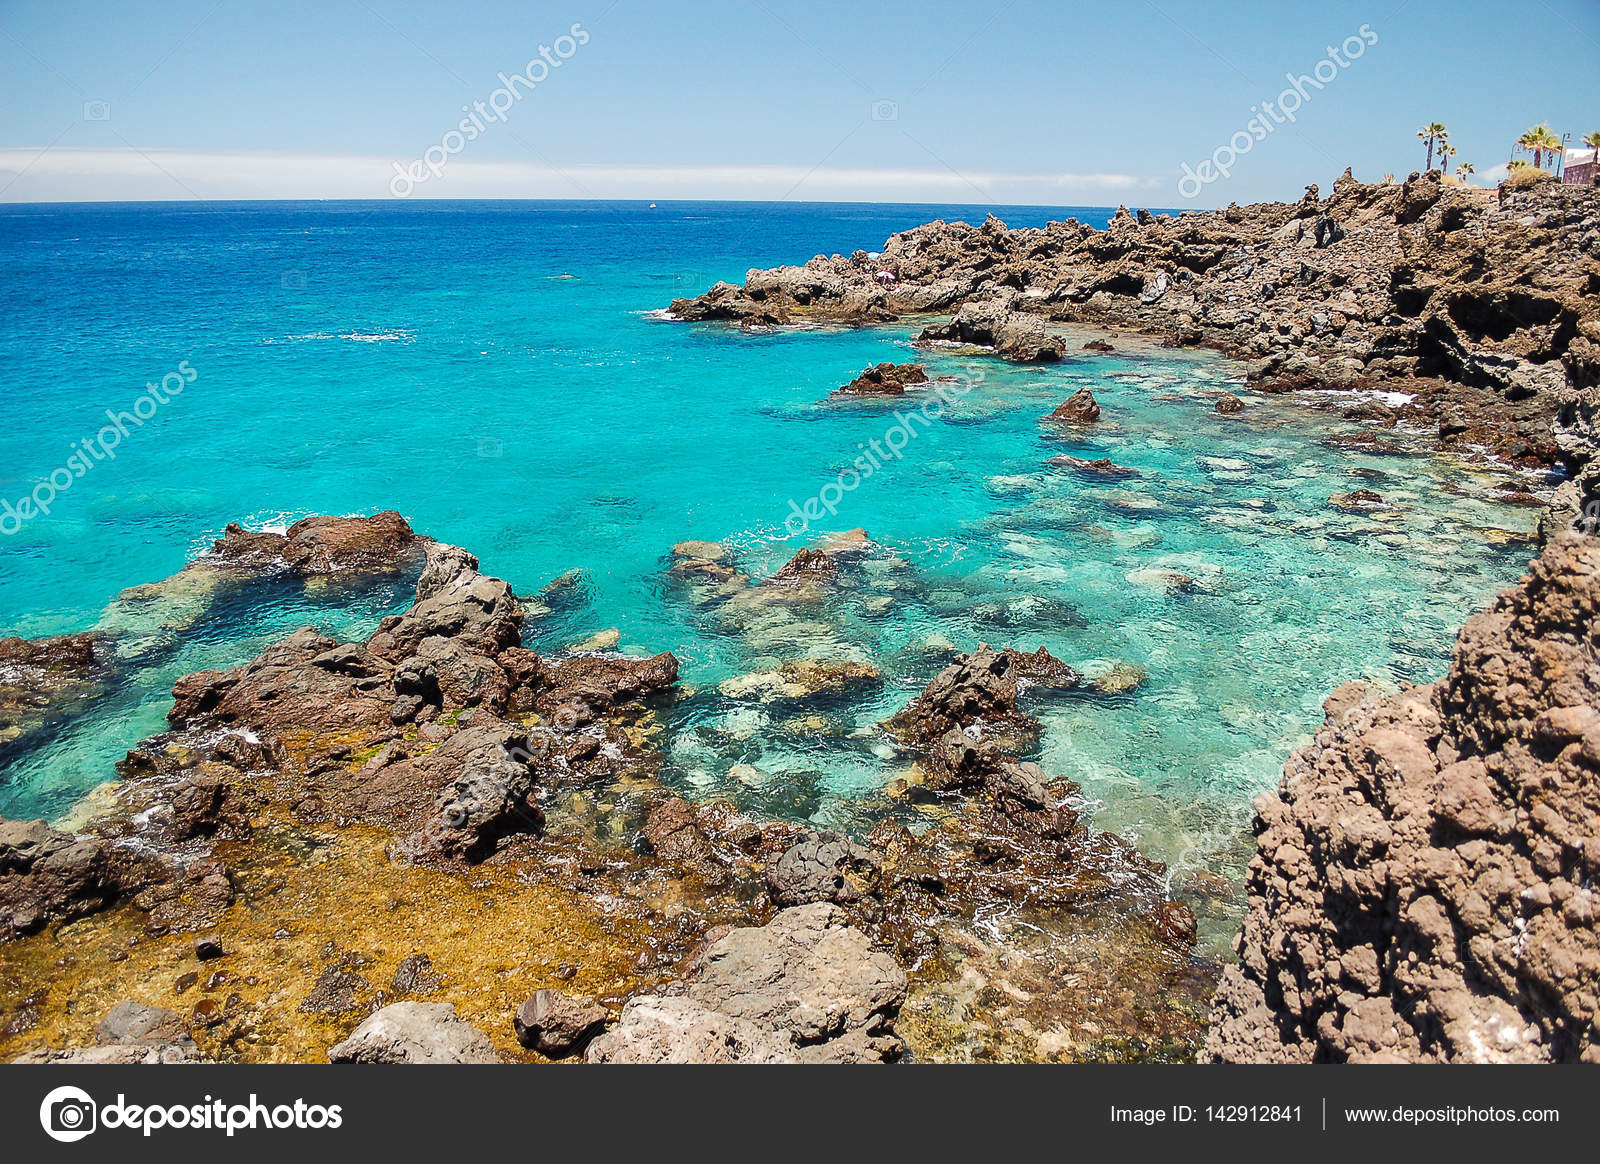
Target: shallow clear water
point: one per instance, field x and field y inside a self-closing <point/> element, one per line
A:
<point x="429" y="358"/>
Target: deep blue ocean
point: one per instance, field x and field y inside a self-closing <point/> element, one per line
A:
<point x="501" y="374"/>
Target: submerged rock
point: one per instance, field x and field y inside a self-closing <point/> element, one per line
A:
<point x="1357" y="501"/>
<point x="700" y="551"/>
<point x="134" y="1024"/>
<point x="1120" y="679"/>
<point x="115" y="1055"/>
<point x="803" y="679"/>
<point x="606" y="640"/>
<point x="415" y="975"/>
<point x="1104" y="469"/>
<point x="1162" y="578"/>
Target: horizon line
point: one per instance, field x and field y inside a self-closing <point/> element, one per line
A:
<point x="595" y="199"/>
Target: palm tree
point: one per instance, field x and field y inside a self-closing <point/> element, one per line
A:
<point x="1446" y="152"/>
<point x="1554" y="147"/>
<point x="1433" y="132"/>
<point x="1539" y="141"/>
<point x="1592" y="140"/>
<point x="1464" y="169"/>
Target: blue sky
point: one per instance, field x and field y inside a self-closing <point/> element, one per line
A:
<point x="1021" y="102"/>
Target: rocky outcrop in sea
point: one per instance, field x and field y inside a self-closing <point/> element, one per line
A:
<point x="1482" y="309"/>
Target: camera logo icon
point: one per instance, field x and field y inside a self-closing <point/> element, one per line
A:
<point x="97" y="111"/>
<point x="68" y="1114"/>
<point x="885" y="111"/>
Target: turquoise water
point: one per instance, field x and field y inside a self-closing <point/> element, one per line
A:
<point x="432" y="358"/>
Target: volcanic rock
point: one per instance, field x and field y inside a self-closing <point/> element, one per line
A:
<point x="415" y="1032"/>
<point x="1079" y="408"/>
<point x="1420" y="886"/>
<point x="556" y="1025"/>
<point x="804" y="988"/>
<point x="884" y="380"/>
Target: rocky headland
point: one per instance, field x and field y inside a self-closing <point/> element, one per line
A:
<point x="1472" y="313"/>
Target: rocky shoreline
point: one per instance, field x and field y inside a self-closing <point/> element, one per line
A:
<point x="1423" y="883"/>
<point x="1443" y="309"/>
<point x="1423" y="886"/>
<point x="471" y="783"/>
<point x="437" y="845"/>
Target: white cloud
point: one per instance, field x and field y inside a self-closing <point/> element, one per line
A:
<point x="130" y="174"/>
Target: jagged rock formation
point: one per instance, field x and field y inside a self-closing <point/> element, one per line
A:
<point x="884" y="380"/>
<point x="804" y="988"/>
<point x="415" y="1033"/>
<point x="1423" y="886"/>
<point x="975" y="691"/>
<point x="1079" y="408"/>
<point x="422" y="698"/>
<point x="323" y="545"/>
<point x="43" y="678"/>
<point x="425" y="696"/>
<point x="1485" y="311"/>
<point x="1014" y="335"/>
<point x="48" y="876"/>
<point x="1424" y="882"/>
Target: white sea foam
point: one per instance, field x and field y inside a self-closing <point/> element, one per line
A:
<point x="400" y="335"/>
